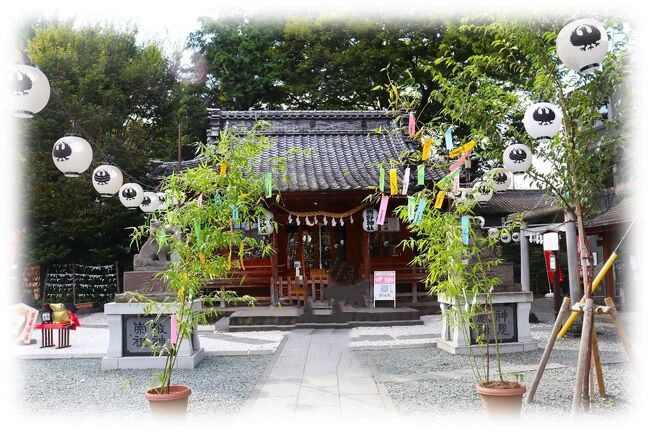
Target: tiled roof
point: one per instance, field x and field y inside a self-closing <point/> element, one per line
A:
<point x="327" y="150"/>
<point x="514" y="201"/>
<point x="621" y="212"/>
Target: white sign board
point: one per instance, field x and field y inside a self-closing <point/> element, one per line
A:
<point x="551" y="242"/>
<point x="384" y="286"/>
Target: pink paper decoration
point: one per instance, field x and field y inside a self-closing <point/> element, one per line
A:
<point x="411" y="124"/>
<point x="174" y="329"/>
<point x="382" y="210"/>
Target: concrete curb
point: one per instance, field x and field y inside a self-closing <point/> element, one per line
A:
<point x="389" y="405"/>
<point x="247" y="408"/>
<point x="393" y="346"/>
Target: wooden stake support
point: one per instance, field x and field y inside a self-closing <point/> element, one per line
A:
<point x="584" y="357"/>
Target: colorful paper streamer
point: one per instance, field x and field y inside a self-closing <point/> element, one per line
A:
<point x="393" y="181"/>
<point x="197" y="231"/>
<point x="173" y="331"/>
<point x="462" y="149"/>
<point x="268" y="184"/>
<point x="405" y="181"/>
<point x="223" y="166"/>
<point x="199" y="201"/>
<point x="382" y="179"/>
<point x="464" y="223"/>
<point x="456" y="183"/>
<point x="442" y="181"/>
<point x="411" y="124"/>
<point x="420" y="211"/>
<point x="421" y="174"/>
<point x="448" y="140"/>
<point x="440" y="198"/>
<point x="456" y="165"/>
<point x="382" y="210"/>
<point x="426" y="147"/>
<point x="217" y="199"/>
<point x="411" y="208"/>
<point x="235" y="213"/>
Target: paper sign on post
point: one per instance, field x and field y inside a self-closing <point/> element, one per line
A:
<point x="384" y="286"/>
<point x="551" y="241"/>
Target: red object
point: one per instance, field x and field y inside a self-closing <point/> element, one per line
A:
<point x="550" y="273"/>
<point x="74" y="322"/>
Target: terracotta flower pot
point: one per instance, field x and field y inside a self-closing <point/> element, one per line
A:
<point x="501" y="399"/>
<point x="172" y="404"/>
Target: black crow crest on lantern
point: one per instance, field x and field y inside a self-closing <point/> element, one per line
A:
<point x="585" y="36"/>
<point x="62" y="151"/>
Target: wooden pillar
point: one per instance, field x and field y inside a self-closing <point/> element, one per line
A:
<point x="365" y="254"/>
<point x="610" y="288"/>
<point x="274" y="268"/>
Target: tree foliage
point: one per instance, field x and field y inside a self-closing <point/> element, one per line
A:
<point x="325" y="61"/>
<point x="126" y="101"/>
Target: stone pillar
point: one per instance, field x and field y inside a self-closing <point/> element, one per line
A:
<point x="525" y="258"/>
<point x="572" y="256"/>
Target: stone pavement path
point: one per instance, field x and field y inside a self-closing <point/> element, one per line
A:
<point x="315" y="371"/>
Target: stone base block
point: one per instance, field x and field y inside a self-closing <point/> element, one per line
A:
<point x="151" y="362"/>
<point x="447" y="346"/>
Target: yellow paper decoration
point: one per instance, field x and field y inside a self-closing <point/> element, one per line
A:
<point x="440" y="197"/>
<point x="393" y="181"/>
<point x="426" y="147"/>
<point x="223" y="166"/>
<point x="241" y="256"/>
<point x="462" y="149"/>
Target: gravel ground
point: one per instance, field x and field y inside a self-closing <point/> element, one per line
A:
<point x="220" y="385"/>
<point x="433" y="383"/>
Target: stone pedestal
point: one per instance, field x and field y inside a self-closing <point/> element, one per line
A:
<point x="511" y="310"/>
<point x="125" y="325"/>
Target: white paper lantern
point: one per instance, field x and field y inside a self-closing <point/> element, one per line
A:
<point x="517" y="158"/>
<point x="506" y="237"/>
<point x="500" y="178"/>
<point x="107" y="180"/>
<point x="264" y="223"/>
<point x="515" y="237"/>
<point x="482" y="192"/>
<point x="162" y="204"/>
<point x="369" y="219"/>
<point x="493" y="233"/>
<point x="131" y="195"/>
<point x="30" y="90"/>
<point x="481" y="221"/>
<point x="72" y="155"/>
<point x="150" y="202"/>
<point x="582" y="45"/>
<point x="543" y="120"/>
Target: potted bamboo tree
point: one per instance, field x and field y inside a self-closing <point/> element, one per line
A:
<point x="205" y="206"/>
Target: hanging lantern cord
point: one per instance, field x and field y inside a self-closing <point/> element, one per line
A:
<point x="82" y="133"/>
